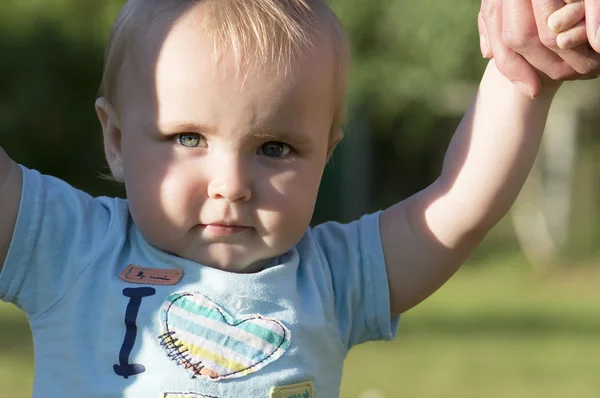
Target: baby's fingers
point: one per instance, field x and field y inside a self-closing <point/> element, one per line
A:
<point x="567" y="17"/>
<point x="573" y="37"/>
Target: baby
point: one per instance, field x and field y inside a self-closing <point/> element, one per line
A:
<point x="219" y="117"/>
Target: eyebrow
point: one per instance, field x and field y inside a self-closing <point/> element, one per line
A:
<point x="298" y="140"/>
<point x="181" y="127"/>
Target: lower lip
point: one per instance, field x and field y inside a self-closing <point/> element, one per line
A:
<point x="224" y="230"/>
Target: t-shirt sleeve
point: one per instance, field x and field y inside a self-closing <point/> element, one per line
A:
<point x="354" y="255"/>
<point x="57" y="235"/>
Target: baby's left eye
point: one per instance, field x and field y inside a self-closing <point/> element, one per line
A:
<point x="274" y="149"/>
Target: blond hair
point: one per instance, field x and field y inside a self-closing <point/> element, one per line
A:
<point x="255" y="32"/>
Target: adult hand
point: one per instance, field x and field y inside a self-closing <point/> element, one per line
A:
<point x="592" y="23"/>
<point x="516" y="34"/>
<point x="584" y="20"/>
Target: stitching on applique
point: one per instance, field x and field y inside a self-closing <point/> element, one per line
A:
<point x="180" y="356"/>
<point x="169" y="341"/>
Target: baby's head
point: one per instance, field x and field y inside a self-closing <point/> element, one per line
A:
<point x="219" y="116"/>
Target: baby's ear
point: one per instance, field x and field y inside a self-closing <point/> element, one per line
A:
<point x="111" y="128"/>
<point x="333" y="141"/>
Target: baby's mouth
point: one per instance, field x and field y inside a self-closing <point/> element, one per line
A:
<point x="223" y="229"/>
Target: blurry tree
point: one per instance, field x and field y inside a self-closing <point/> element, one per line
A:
<point x="49" y="78"/>
<point x="542" y="217"/>
<point x="405" y="57"/>
<point x="406" y="52"/>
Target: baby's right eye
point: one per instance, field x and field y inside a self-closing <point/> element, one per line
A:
<point x="189" y="140"/>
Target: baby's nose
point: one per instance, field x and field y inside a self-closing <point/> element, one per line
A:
<point x="230" y="181"/>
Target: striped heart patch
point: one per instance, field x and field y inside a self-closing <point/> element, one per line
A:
<point x="212" y="344"/>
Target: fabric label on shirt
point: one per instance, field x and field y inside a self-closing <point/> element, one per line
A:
<point x="151" y="276"/>
<point x="298" y="390"/>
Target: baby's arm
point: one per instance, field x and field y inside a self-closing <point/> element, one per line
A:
<point x="428" y="236"/>
<point x="569" y="22"/>
<point x="11" y="182"/>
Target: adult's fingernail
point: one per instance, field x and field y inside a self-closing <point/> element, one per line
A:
<point x="598" y="35"/>
<point x="563" y="41"/>
<point x="483" y="44"/>
<point x="524" y="88"/>
<point x="554" y="23"/>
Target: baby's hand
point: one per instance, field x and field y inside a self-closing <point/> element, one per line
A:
<point x="569" y="22"/>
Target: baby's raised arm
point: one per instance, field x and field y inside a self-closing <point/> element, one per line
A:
<point x="11" y="182"/>
<point x="428" y="236"/>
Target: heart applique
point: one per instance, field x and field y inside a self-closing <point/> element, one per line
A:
<point x="212" y="344"/>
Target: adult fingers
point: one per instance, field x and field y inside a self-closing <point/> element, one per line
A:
<point x="573" y="37"/>
<point x="508" y="62"/>
<point x="521" y="34"/>
<point x="566" y="17"/>
<point x="592" y="18"/>
<point x="580" y="59"/>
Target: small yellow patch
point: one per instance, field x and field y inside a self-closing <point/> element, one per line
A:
<point x="298" y="390"/>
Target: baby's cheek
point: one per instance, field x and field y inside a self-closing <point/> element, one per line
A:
<point x="285" y="220"/>
<point x="178" y="199"/>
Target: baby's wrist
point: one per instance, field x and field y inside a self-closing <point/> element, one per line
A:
<point x="549" y="87"/>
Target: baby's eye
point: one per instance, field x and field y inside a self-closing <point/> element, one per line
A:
<point x="189" y="140"/>
<point x="274" y="149"/>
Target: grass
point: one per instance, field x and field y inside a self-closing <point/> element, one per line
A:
<point x="495" y="330"/>
<point x="16" y="353"/>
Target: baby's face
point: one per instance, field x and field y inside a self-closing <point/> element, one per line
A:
<point x="223" y="168"/>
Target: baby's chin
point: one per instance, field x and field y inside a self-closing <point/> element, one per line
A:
<point x="232" y="259"/>
<point x="243" y="256"/>
<point x="241" y="267"/>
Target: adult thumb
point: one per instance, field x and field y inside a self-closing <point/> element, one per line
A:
<point x="592" y="21"/>
<point x="484" y="41"/>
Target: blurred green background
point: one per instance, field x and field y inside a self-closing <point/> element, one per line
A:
<point x="521" y="319"/>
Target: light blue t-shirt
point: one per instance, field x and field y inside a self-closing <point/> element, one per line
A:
<point x="211" y="333"/>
